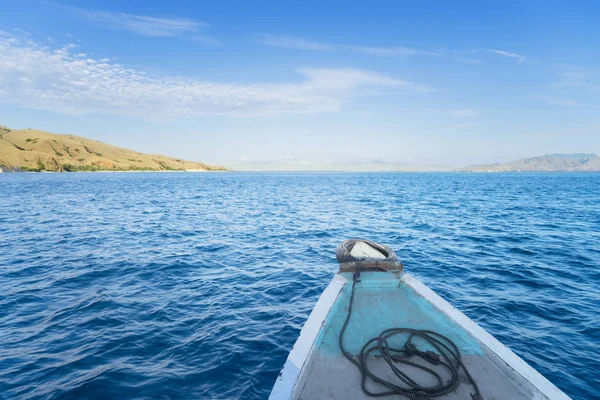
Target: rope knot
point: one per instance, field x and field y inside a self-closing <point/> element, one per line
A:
<point x="431" y="356"/>
<point x="410" y="349"/>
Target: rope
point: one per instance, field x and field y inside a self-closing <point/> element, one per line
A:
<point x="448" y="357"/>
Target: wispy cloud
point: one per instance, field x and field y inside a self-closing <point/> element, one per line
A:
<point x="291" y="42"/>
<point x="298" y="43"/>
<point x="22" y="32"/>
<point x="464" y="113"/>
<point x="503" y="53"/>
<point x="560" y="101"/>
<point x="391" y="51"/>
<point x="577" y="78"/>
<point x="465" y="125"/>
<point x="342" y="79"/>
<point x="573" y="87"/>
<point x="146" y="25"/>
<point x="63" y="80"/>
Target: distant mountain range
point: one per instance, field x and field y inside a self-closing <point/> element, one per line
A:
<point x="33" y="150"/>
<point x="357" y="166"/>
<point x="547" y="163"/>
<point x="551" y="162"/>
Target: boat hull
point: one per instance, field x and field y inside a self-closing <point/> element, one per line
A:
<point x="317" y="369"/>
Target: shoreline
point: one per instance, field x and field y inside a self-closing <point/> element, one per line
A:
<point x="107" y="171"/>
<point x="305" y="172"/>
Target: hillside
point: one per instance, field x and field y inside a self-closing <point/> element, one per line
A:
<point x="547" y="163"/>
<point x="33" y="150"/>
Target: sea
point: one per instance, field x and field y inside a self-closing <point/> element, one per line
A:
<point x="196" y="285"/>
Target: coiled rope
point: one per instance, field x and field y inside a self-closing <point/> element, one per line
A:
<point x="448" y="357"/>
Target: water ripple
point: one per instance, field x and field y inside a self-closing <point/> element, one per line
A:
<point x="176" y="286"/>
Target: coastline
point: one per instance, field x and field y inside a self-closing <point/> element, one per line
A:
<point x="103" y="172"/>
<point x="305" y="172"/>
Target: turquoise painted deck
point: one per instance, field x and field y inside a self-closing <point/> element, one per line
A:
<point x="381" y="301"/>
<point x="316" y="368"/>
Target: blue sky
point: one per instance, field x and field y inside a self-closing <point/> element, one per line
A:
<point x="219" y="81"/>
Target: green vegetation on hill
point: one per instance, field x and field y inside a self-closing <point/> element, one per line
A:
<point x="33" y="150"/>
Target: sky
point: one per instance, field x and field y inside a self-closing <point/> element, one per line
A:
<point x="419" y="82"/>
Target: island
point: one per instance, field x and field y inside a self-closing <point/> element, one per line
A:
<point x="38" y="151"/>
<point x="578" y="162"/>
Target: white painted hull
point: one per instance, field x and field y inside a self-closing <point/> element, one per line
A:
<point x="315" y="371"/>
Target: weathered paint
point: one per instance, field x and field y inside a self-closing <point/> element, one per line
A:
<point x="382" y="302"/>
<point x="289" y="375"/>
<point x="317" y="369"/>
<point x="503" y="352"/>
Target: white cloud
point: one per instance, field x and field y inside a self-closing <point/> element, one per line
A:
<point x="464" y="113"/>
<point x="465" y="125"/>
<point x="22" y="32"/>
<point x="292" y="42"/>
<point x="519" y="57"/>
<point x="391" y="51"/>
<point x="559" y="101"/>
<point x="148" y="26"/>
<point x="343" y="79"/>
<point x="573" y="87"/>
<point x="38" y="76"/>
<point x="577" y="78"/>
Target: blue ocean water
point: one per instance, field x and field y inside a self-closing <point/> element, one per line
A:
<point x="193" y="285"/>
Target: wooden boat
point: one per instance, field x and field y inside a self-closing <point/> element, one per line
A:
<point x="378" y="331"/>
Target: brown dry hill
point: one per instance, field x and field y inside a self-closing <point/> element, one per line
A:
<point x="33" y="150"/>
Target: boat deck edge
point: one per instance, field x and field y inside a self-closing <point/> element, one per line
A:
<point x="291" y="372"/>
